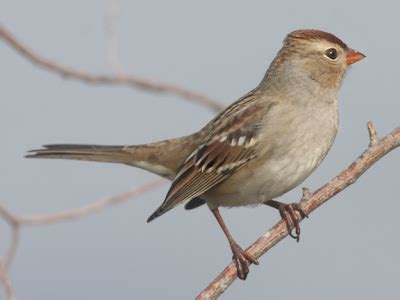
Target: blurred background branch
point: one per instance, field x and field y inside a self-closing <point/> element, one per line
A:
<point x="92" y="78"/>
<point x="16" y="222"/>
<point x="5" y="280"/>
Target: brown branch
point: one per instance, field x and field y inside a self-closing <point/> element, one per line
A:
<point x="373" y="136"/>
<point x="5" y="280"/>
<point x="376" y="150"/>
<point x="9" y="217"/>
<point x="15" y="222"/>
<point x="90" y="208"/>
<point x="12" y="248"/>
<point x="12" y="221"/>
<point x="133" y="81"/>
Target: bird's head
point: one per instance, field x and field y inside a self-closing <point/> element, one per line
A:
<point x="315" y="55"/>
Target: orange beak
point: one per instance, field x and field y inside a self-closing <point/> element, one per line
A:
<point x="353" y="56"/>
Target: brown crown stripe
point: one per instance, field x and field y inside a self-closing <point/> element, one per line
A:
<point x="313" y="34"/>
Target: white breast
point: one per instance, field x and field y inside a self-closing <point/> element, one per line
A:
<point x="302" y="145"/>
<point x="298" y="143"/>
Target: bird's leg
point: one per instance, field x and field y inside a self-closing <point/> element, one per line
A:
<point x="288" y="213"/>
<point x="242" y="258"/>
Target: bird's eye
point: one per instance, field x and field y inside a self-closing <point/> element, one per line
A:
<point x="331" y="53"/>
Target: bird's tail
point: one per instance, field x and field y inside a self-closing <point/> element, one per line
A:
<point x="162" y="158"/>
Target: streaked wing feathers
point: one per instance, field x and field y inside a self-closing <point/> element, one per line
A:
<point x="229" y="145"/>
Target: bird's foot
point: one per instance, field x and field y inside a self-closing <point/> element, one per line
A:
<point x="288" y="213"/>
<point x="242" y="260"/>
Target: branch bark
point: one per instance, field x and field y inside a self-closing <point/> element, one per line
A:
<point x="375" y="151"/>
<point x="133" y="81"/>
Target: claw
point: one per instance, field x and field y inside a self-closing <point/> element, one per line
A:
<point x="241" y="258"/>
<point x="242" y="261"/>
<point x="288" y="213"/>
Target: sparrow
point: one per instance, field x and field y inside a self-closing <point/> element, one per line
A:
<point x="258" y="148"/>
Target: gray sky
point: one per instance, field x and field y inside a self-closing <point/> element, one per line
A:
<point x="349" y="247"/>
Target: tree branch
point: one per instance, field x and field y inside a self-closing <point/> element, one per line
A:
<point x="90" y="208"/>
<point x="12" y="248"/>
<point x="15" y="222"/>
<point x="133" y="81"/>
<point x="5" y="280"/>
<point x="376" y="150"/>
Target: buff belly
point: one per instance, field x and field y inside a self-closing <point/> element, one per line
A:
<point x="271" y="177"/>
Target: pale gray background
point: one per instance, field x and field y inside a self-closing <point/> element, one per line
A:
<point x="350" y="247"/>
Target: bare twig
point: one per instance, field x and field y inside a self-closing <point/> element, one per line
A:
<point x="90" y="208"/>
<point x="12" y="221"/>
<point x="5" y="280"/>
<point x="137" y="82"/>
<point x="12" y="248"/>
<point x="374" y="152"/>
<point x="373" y="136"/>
<point x="9" y="217"/>
<point x="15" y="222"/>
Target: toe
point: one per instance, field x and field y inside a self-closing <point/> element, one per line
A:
<point x="242" y="269"/>
<point x="249" y="257"/>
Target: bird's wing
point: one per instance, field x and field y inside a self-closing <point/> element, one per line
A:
<point x="230" y="143"/>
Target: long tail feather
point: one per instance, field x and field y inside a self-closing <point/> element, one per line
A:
<point x="161" y="158"/>
<point x="115" y="154"/>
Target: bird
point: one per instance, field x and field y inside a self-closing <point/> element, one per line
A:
<point x="258" y="148"/>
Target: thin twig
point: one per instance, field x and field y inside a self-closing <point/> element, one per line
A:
<point x="15" y="222"/>
<point x="137" y="82"/>
<point x="373" y="136"/>
<point x="278" y="232"/>
<point x="12" y="248"/>
<point x="9" y="217"/>
<point x="5" y="280"/>
<point x="90" y="208"/>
